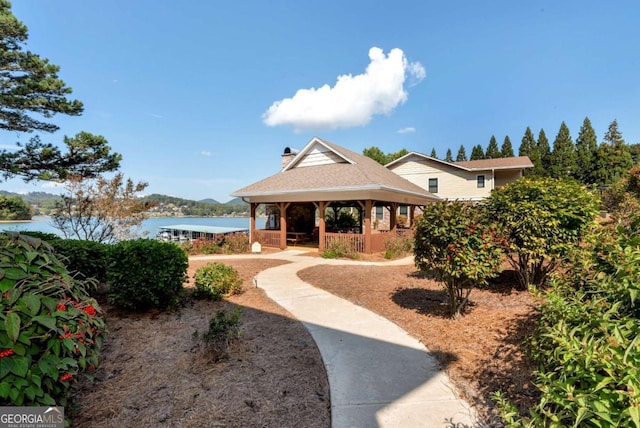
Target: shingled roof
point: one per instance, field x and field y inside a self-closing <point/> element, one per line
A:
<point x="323" y="171"/>
<point x="476" y="165"/>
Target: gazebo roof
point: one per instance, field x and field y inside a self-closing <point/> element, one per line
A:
<point x="323" y="171"/>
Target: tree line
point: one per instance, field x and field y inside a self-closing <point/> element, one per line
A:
<point x="584" y="159"/>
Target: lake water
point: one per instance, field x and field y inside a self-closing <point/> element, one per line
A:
<point x="151" y="225"/>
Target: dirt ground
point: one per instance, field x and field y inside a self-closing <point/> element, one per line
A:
<point x="156" y="374"/>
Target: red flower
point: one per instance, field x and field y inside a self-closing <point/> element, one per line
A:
<point x="6" y="353"/>
<point x="6" y="295"/>
<point x="61" y="307"/>
<point x="90" y="310"/>
<point x="66" y="377"/>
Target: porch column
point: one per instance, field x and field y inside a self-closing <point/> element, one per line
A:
<point x="283" y="224"/>
<point x="412" y="214"/>
<point x="368" y="206"/>
<point x="393" y="217"/>
<point x="322" y="206"/>
<point x="252" y="222"/>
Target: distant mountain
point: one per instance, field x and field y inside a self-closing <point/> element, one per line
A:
<point x="209" y="201"/>
<point x="236" y="201"/>
<point x="33" y="197"/>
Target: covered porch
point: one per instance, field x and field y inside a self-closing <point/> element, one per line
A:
<point x="306" y="200"/>
<point x="319" y="224"/>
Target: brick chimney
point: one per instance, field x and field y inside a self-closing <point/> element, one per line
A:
<point x="288" y="156"/>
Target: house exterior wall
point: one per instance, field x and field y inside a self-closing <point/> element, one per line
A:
<point x="506" y="177"/>
<point x="453" y="183"/>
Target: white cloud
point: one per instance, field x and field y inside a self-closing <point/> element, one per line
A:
<point x="205" y="153"/>
<point x="406" y="130"/>
<point x="9" y="147"/>
<point x="353" y="100"/>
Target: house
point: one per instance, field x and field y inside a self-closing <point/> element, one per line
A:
<point x="329" y="179"/>
<point x="468" y="180"/>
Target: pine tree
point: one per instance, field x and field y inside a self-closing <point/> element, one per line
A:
<point x="529" y="147"/>
<point x="462" y="154"/>
<point x="493" y="152"/>
<point x="449" y="156"/>
<point x="433" y="153"/>
<point x="563" y="156"/>
<point x="586" y="151"/>
<point x="477" y="153"/>
<point x="613" y="157"/>
<point x="541" y="164"/>
<point x="507" y="149"/>
<point x="30" y="84"/>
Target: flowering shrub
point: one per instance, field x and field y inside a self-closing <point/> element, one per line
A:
<point x="216" y="280"/>
<point x="338" y="249"/>
<point x="51" y="331"/>
<point x="202" y="246"/>
<point x="453" y="243"/>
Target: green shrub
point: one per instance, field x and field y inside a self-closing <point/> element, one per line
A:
<point x="146" y="273"/>
<point x="397" y="247"/>
<point x="51" y="331"/>
<point x="223" y="330"/>
<point x="49" y="237"/>
<point x="339" y="249"/>
<point x="216" y="280"/>
<point x="458" y="247"/>
<point x="588" y="342"/>
<point x="544" y="220"/>
<point x="88" y="258"/>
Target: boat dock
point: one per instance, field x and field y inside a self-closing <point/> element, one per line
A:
<point x="191" y="232"/>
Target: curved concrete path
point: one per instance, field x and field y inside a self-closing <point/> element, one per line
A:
<point x="379" y="376"/>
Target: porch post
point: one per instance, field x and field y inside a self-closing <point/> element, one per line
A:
<point x="368" y="206"/>
<point x="252" y="222"/>
<point x="283" y="224"/>
<point x="393" y="208"/>
<point x="412" y="214"/>
<point x="322" y="206"/>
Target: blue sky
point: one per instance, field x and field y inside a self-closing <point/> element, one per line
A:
<point x="201" y="97"/>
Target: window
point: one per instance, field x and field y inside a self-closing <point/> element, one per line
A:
<point x="379" y="213"/>
<point x="480" y="181"/>
<point x="403" y="210"/>
<point x="433" y="185"/>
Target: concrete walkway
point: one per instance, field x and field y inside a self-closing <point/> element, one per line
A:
<point x="379" y="376"/>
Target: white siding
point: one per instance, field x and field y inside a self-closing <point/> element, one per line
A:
<point x="319" y="155"/>
<point x="453" y="183"/>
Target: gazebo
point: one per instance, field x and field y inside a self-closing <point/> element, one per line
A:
<point x="326" y="178"/>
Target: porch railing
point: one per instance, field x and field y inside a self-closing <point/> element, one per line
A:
<point x="268" y="238"/>
<point x="354" y="241"/>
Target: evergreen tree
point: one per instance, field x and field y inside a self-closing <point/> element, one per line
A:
<point x="462" y="154"/>
<point x="586" y="150"/>
<point x="544" y="155"/>
<point x="563" y="156"/>
<point x="493" y="152"/>
<point x="507" y="149"/>
<point x="433" y="153"/>
<point x="529" y="147"/>
<point x="30" y="84"/>
<point x="477" y="153"/>
<point x="613" y="157"/>
<point x="449" y="156"/>
<point x="30" y="94"/>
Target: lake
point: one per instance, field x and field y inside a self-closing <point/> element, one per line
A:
<point x="150" y="225"/>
